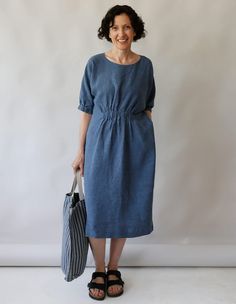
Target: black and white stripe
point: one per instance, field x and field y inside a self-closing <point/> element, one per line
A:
<point x="74" y="242"/>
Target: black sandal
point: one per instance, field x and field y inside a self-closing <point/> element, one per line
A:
<point x="101" y="286"/>
<point x="118" y="281"/>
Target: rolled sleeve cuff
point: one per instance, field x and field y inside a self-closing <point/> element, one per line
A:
<point x="85" y="109"/>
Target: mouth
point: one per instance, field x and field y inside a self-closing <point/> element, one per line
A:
<point x="122" y="40"/>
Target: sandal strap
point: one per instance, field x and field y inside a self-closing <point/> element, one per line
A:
<point x="100" y="286"/>
<point x="115" y="282"/>
<point x="98" y="274"/>
<point x="114" y="272"/>
<point x="118" y="281"/>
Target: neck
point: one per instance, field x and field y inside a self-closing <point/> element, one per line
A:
<point x="121" y="55"/>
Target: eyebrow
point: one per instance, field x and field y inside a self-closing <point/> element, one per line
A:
<point x="121" y="25"/>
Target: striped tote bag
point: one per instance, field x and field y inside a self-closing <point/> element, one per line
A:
<point x="74" y="242"/>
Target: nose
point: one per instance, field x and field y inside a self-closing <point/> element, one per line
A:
<point x="121" y="32"/>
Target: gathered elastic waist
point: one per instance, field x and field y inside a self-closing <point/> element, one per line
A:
<point x="112" y="114"/>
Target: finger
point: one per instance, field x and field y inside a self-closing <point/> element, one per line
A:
<point x="75" y="169"/>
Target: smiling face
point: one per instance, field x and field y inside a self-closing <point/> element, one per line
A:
<point x="122" y="32"/>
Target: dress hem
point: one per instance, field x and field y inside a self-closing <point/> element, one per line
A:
<point x="127" y="235"/>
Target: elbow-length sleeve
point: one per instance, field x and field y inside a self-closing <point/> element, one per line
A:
<point x="151" y="92"/>
<point x="86" y="97"/>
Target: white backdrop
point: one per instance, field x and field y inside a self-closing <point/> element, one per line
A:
<point x="44" y="49"/>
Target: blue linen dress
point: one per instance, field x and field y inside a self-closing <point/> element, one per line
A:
<point x="120" y="153"/>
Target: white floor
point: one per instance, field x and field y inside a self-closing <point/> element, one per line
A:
<point x="161" y="285"/>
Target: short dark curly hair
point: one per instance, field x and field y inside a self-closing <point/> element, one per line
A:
<point x="136" y="22"/>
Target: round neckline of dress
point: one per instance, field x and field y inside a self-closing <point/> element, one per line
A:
<point x="120" y="64"/>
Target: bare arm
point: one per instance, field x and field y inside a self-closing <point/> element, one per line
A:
<point x="78" y="163"/>
<point x="84" y="123"/>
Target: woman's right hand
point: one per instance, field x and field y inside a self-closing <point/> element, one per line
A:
<point x="78" y="164"/>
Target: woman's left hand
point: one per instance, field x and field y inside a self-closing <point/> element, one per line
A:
<point x="149" y="114"/>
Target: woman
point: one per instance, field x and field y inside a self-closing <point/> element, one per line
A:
<point x="117" y="146"/>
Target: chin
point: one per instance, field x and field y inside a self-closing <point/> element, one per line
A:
<point x="123" y="47"/>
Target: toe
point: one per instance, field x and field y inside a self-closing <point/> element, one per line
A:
<point x="91" y="292"/>
<point x="99" y="292"/>
<point x="94" y="292"/>
<point x="118" y="289"/>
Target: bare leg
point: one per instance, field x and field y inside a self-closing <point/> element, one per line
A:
<point x="116" y="247"/>
<point x="98" y="247"/>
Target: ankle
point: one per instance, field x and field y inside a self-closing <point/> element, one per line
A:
<point x="100" y="268"/>
<point x="112" y="267"/>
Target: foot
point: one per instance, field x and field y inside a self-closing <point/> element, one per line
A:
<point x="96" y="292"/>
<point x="114" y="289"/>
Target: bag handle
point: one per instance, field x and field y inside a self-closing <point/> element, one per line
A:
<point x="77" y="180"/>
